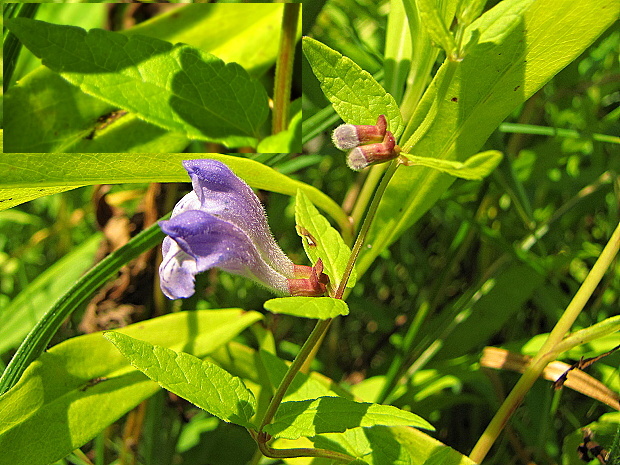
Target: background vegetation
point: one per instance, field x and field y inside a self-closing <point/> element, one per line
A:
<point x="492" y="263"/>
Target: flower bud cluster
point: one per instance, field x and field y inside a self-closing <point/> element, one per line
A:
<point x="368" y="144"/>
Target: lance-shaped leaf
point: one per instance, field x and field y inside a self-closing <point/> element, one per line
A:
<point x="29" y="176"/>
<point x="308" y="307"/>
<point x="307" y="418"/>
<point x="357" y="97"/>
<point x="199" y="381"/>
<point x="322" y="241"/>
<point x="475" y="167"/>
<point x="179" y="87"/>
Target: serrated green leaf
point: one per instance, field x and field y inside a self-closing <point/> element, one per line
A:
<point x="382" y="445"/>
<point x="521" y="45"/>
<point x="308" y="307"/>
<point x="476" y="167"/>
<point x="322" y="241"/>
<point x="19" y="317"/>
<point x="431" y="18"/>
<point x="24" y="175"/>
<point x="307" y="418"/>
<point x="199" y="381"/>
<point x="88" y="384"/>
<point x="355" y="94"/>
<point x="179" y="88"/>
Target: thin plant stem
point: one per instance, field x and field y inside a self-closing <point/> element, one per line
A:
<point x="549" y="351"/>
<point x="284" y="68"/>
<point x="303" y="452"/>
<point x="361" y="237"/>
<point x="365" y="194"/>
<point x="315" y="336"/>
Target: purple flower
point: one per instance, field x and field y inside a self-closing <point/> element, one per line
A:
<point x="222" y="224"/>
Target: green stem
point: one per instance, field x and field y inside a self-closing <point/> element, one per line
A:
<point x="548" y="352"/>
<point x="303" y="452"/>
<point x="594" y="332"/>
<point x="365" y="194"/>
<point x="284" y="67"/>
<point x="306" y="349"/>
<point x="361" y="237"/>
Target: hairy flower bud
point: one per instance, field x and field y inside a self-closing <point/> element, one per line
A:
<point x="365" y="155"/>
<point x="348" y="136"/>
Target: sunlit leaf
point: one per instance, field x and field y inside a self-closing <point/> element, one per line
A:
<point x="355" y="94"/>
<point x="199" y="381"/>
<point x="521" y="45"/>
<point x="322" y="241"/>
<point x="87" y="384"/>
<point x="308" y="307"/>
<point x="24" y="175"/>
<point x="475" y="167"/>
<point x="431" y="18"/>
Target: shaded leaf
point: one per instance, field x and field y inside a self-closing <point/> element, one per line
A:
<point x="484" y="320"/>
<point x="308" y="307"/>
<point x="307" y="418"/>
<point x="199" y="381"/>
<point x="357" y="97"/>
<point x="176" y="87"/>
